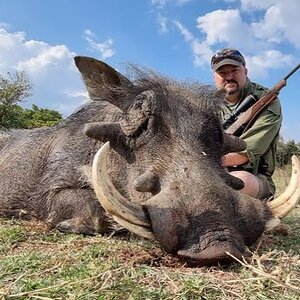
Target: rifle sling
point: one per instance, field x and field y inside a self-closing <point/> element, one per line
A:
<point x="251" y="121"/>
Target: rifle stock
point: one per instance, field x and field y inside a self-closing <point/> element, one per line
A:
<point x="246" y="118"/>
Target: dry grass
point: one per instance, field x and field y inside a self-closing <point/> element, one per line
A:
<point x="281" y="177"/>
<point x="36" y="263"/>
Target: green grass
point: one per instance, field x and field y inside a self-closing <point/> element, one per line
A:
<point x="36" y="263"/>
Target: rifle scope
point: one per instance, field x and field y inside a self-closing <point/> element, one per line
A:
<point x="246" y="103"/>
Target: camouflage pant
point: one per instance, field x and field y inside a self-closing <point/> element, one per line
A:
<point x="264" y="192"/>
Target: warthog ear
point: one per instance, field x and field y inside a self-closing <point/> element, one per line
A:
<point x="133" y="130"/>
<point x="139" y="124"/>
<point x="103" y="82"/>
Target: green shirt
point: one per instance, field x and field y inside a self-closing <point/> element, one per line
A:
<point x="262" y="136"/>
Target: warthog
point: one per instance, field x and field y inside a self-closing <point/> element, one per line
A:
<point x="158" y="172"/>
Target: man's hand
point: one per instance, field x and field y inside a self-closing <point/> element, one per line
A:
<point x="234" y="159"/>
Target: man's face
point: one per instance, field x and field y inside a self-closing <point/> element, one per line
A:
<point x="230" y="77"/>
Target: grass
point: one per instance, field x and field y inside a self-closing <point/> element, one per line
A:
<point x="36" y="263"/>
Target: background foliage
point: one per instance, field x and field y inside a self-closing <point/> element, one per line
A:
<point x="14" y="88"/>
<point x="285" y="150"/>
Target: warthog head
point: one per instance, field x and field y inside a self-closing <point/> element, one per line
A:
<point x="159" y="172"/>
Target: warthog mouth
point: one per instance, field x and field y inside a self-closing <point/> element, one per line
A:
<point x="222" y="253"/>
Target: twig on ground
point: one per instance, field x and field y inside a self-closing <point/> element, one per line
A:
<point x="266" y="275"/>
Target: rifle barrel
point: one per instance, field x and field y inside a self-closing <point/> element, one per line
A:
<point x="292" y="72"/>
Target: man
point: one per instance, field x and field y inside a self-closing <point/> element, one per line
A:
<point x="256" y="164"/>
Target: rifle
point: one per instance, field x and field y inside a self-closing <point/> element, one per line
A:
<point x="244" y="116"/>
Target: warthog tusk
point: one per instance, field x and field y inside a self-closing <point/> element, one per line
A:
<point x="285" y="202"/>
<point x="126" y="213"/>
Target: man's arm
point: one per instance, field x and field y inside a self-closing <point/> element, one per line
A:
<point x="234" y="159"/>
<point x="258" y="137"/>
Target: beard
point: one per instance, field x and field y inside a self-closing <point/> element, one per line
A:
<point x="233" y="89"/>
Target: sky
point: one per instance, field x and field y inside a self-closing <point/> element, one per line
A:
<point x="173" y="37"/>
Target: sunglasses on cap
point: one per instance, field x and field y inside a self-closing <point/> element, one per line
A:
<point x="231" y="54"/>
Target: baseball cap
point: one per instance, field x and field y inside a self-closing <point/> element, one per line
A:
<point x="227" y="56"/>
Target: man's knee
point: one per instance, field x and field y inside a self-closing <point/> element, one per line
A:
<point x="255" y="186"/>
<point x="251" y="182"/>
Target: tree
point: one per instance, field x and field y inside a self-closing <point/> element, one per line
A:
<point x="18" y="117"/>
<point x="285" y="151"/>
<point x="38" y="117"/>
<point x="292" y="148"/>
<point x="11" y="116"/>
<point x="281" y="153"/>
<point x="13" y="89"/>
